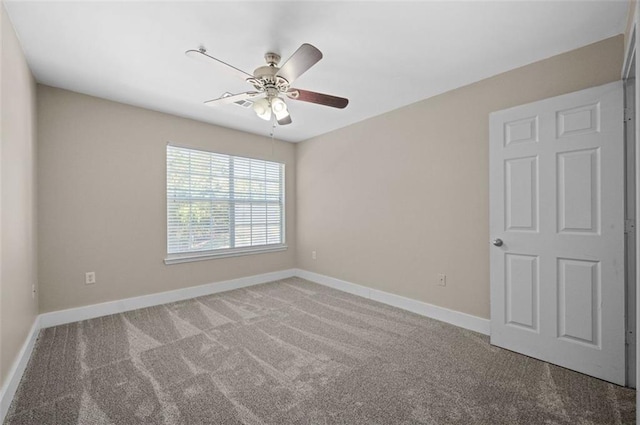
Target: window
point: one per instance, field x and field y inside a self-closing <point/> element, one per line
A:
<point x="221" y="205"/>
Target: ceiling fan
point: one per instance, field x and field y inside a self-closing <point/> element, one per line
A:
<point x="272" y="84"/>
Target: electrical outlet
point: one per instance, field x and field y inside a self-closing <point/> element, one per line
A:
<point x="313" y="255"/>
<point x="90" y="278"/>
<point x="442" y="279"/>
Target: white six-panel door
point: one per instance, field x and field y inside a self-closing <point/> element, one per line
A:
<point x="557" y="206"/>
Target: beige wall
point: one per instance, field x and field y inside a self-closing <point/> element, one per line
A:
<point x="18" y="309"/>
<point x="102" y="200"/>
<point x="392" y="201"/>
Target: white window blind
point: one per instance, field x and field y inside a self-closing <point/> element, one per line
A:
<point x="219" y="203"/>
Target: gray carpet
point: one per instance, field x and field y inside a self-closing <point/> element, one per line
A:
<point x="293" y="352"/>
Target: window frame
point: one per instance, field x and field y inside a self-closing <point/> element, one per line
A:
<point x="189" y="256"/>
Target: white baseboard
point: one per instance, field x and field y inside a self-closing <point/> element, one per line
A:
<point x="71" y="315"/>
<point x="17" y="369"/>
<point x="463" y="320"/>
<point x="457" y="318"/>
<point x="332" y="282"/>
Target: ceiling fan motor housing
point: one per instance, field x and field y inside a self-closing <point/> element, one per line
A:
<point x="266" y="80"/>
<point x="265" y="72"/>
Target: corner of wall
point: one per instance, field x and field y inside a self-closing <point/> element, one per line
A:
<point x="409" y="172"/>
<point x="18" y="220"/>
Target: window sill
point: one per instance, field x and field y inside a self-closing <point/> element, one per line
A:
<point x="223" y="253"/>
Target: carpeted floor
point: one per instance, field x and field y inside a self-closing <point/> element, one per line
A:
<point x="293" y="352"/>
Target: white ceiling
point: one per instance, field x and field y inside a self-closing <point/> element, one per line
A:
<point x="380" y="55"/>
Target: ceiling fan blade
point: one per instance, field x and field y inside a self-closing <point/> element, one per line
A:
<point x="319" y="98"/>
<point x="231" y="98"/>
<point x="302" y="59"/>
<point x="202" y="56"/>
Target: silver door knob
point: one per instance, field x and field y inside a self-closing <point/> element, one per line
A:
<point x="497" y="242"/>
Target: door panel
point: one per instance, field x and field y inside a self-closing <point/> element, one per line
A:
<point x="576" y="121"/>
<point x="521" y="286"/>
<point x="521" y="131"/>
<point x="556" y="197"/>
<point x="578" y="301"/>
<point x="578" y="189"/>
<point x="521" y="194"/>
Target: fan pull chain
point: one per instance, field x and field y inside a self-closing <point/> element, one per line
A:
<point x="273" y="130"/>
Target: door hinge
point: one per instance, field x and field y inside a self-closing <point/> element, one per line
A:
<point x="630" y="337"/>
<point x="629" y="226"/>
<point x="628" y="114"/>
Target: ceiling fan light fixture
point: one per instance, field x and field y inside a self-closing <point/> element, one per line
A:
<point x="280" y="110"/>
<point x="278" y="106"/>
<point x="262" y="109"/>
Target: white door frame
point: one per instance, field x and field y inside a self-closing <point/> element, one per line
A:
<point x="629" y="78"/>
<point x="628" y="68"/>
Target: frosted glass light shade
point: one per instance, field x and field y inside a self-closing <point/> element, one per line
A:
<point x="262" y="109"/>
